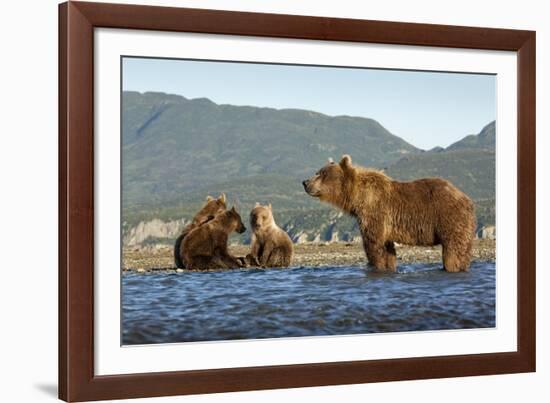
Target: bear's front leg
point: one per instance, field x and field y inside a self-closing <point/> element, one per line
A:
<point x="232" y="262"/>
<point x="379" y="256"/>
<point x="252" y="260"/>
<point x="391" y="256"/>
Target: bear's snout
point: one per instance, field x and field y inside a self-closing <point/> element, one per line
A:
<point x="309" y="187"/>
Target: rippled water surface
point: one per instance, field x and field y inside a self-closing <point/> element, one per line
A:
<point x="251" y="304"/>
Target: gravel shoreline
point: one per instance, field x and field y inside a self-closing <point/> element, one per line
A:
<point x="160" y="258"/>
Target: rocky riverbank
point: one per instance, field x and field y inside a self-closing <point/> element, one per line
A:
<point x="160" y="257"/>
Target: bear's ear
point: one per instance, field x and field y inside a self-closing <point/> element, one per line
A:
<point x="209" y="198"/>
<point x="270" y="207"/>
<point x="330" y="161"/>
<point x="257" y="204"/>
<point x="222" y="198"/>
<point x="345" y="163"/>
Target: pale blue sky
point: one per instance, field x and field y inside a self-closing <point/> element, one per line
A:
<point x="426" y="109"/>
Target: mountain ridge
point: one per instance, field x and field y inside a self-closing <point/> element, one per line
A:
<point x="176" y="150"/>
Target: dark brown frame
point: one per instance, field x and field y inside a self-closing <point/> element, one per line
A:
<point x="77" y="21"/>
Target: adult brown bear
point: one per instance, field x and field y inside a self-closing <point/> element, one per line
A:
<point x="211" y="208"/>
<point x="423" y="212"/>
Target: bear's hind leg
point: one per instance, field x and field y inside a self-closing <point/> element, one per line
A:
<point x="201" y="263"/>
<point x="456" y="258"/>
<point x="278" y="258"/>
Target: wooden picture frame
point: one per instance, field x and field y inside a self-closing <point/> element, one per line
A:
<point x="77" y="381"/>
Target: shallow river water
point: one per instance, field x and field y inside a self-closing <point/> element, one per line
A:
<point x="258" y="303"/>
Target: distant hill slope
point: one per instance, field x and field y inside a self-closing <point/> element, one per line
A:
<point x="172" y="145"/>
<point x="485" y="139"/>
<point x="468" y="163"/>
<point x="472" y="171"/>
<point x="175" y="151"/>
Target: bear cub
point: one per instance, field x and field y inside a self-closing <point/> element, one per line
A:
<point x="211" y="208"/>
<point x="205" y="247"/>
<point x="270" y="246"/>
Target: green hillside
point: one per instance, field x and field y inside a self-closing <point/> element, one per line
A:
<point x="172" y="145"/>
<point x="176" y="151"/>
<point x="469" y="164"/>
<point x="485" y="139"/>
<point x="472" y="171"/>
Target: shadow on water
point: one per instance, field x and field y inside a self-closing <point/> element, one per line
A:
<point x="267" y="303"/>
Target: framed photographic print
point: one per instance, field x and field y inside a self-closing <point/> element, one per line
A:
<point x="255" y="201"/>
